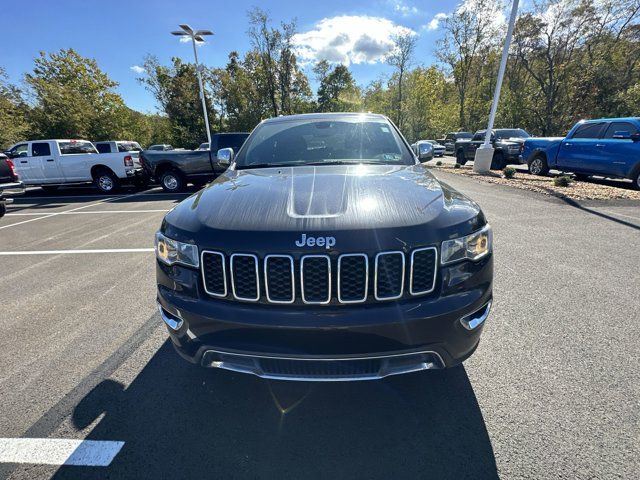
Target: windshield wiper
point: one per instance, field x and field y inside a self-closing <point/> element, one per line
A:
<point x="345" y="162"/>
<point x="266" y="165"/>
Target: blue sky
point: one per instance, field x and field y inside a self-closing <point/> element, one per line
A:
<point x="118" y="33"/>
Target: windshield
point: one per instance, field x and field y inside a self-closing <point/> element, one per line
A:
<point x="512" y="133"/>
<point x="349" y="139"/>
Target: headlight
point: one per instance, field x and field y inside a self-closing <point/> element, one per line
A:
<point x="171" y="251"/>
<point x="471" y="247"/>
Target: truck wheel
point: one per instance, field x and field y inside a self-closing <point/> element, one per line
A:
<point x="538" y="165"/>
<point x="460" y="158"/>
<point x="172" y="181"/>
<point x="106" y="181"/>
<point x="636" y="180"/>
<point x="497" y="162"/>
<point x="50" y="188"/>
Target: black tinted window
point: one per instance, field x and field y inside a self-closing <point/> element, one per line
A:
<point x="103" y="148"/>
<point x="588" y="130"/>
<point x="512" y="133"/>
<point x="348" y="139"/>
<point x="626" y="127"/>
<point x="463" y="135"/>
<point x="231" y="141"/>
<point x="40" y="149"/>
<point x="478" y="136"/>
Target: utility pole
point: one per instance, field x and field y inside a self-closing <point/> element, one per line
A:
<point x="484" y="153"/>
<point x="197" y="35"/>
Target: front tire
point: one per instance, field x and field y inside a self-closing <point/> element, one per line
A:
<point x="172" y="181"/>
<point x="106" y="181"/>
<point x="460" y="158"/>
<point x="538" y="165"/>
<point x="497" y="161"/>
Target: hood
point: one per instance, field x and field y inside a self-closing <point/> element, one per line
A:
<point x="320" y="198"/>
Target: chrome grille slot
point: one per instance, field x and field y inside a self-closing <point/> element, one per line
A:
<point x="423" y="270"/>
<point x="353" y="278"/>
<point x="279" y="279"/>
<point x="245" y="281"/>
<point x="315" y="279"/>
<point x="214" y="275"/>
<point x="389" y="279"/>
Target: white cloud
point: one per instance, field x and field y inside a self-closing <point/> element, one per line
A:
<point x="348" y="39"/>
<point x="137" y="69"/>
<point x="403" y="9"/>
<point x="435" y="21"/>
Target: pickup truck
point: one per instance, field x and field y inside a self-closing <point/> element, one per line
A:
<point x="507" y="143"/>
<point x="316" y="258"/>
<point x="174" y="169"/>
<point x="9" y="183"/>
<point x="51" y="163"/>
<point x="450" y="139"/>
<point x="133" y="149"/>
<point x="608" y="147"/>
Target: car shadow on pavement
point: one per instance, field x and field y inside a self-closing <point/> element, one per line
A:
<point x="181" y="421"/>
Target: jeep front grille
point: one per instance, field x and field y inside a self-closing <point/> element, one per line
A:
<point x="320" y="279"/>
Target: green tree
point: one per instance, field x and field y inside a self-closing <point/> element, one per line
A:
<point x="73" y="98"/>
<point x="338" y="91"/>
<point x="13" y="113"/>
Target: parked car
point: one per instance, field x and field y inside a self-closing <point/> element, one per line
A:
<point x="133" y="148"/>
<point x="161" y="147"/>
<point x="177" y="168"/>
<point x="51" y="163"/>
<point x="423" y="149"/>
<point x="438" y="149"/>
<point x="10" y="183"/>
<point x="507" y="144"/>
<point x="113" y="146"/>
<point x="451" y="138"/>
<point x="326" y="252"/>
<point x="608" y="147"/>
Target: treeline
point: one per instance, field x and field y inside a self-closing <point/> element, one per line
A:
<point x="570" y="59"/>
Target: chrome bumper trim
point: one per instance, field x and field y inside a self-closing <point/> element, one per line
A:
<point x="306" y="368"/>
<point x="172" y="321"/>
<point x="477" y="318"/>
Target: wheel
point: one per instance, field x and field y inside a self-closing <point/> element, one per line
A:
<point x="106" y="181"/>
<point x="50" y="188"/>
<point x="460" y="158"/>
<point x="497" y="162"/>
<point x="172" y="181"/>
<point x="636" y="179"/>
<point x="3" y="209"/>
<point x="538" y="165"/>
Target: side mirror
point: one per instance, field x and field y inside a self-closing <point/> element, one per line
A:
<point x="225" y="156"/>
<point x="23" y="154"/>
<point x="622" y="135"/>
<point x="425" y="152"/>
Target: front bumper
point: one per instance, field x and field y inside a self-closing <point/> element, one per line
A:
<point x="10" y="189"/>
<point x="332" y="342"/>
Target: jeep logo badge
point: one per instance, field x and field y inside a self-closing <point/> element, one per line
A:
<point x="326" y="242"/>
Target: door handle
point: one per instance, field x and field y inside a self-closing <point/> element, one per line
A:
<point x="49" y="159"/>
<point x="567" y="144"/>
<point x="24" y="161"/>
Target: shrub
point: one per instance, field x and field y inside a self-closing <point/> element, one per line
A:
<point x="439" y="162"/>
<point x="562" y="181"/>
<point x="509" y="172"/>
<point x="457" y="165"/>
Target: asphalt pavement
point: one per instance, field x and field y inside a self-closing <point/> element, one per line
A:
<point x="553" y="390"/>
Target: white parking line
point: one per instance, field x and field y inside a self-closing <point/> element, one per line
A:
<point x="86" y="213"/>
<point x="59" y="451"/>
<point x="47" y="215"/>
<point x="61" y="197"/>
<point x="74" y="252"/>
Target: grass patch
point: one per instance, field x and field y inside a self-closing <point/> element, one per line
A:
<point x="562" y="181"/>
<point x="509" y="172"/>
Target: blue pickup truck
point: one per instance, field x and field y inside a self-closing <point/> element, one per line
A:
<point x="608" y="147"/>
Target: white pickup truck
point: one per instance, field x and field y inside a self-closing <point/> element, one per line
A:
<point x="51" y="163"/>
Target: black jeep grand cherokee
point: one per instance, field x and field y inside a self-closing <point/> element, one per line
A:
<point x="326" y="251"/>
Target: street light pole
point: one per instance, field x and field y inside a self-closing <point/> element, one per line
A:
<point x="197" y="36"/>
<point x="484" y="153"/>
